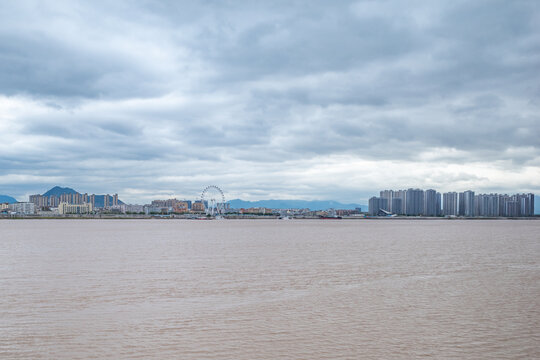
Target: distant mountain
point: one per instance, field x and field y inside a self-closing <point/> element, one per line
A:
<point x="57" y="191"/>
<point x="294" y="204"/>
<point x="7" y="199"/>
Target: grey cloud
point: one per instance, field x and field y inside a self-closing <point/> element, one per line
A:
<point x="295" y="44"/>
<point x="222" y="86"/>
<point x="41" y="58"/>
<point x="42" y="67"/>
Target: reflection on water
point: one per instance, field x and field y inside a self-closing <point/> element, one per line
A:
<point x="269" y="289"/>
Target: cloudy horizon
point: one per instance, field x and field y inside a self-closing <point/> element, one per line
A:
<point x="284" y="100"/>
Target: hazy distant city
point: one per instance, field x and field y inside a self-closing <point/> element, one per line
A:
<point x="60" y="201"/>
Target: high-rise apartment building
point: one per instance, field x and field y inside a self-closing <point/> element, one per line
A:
<point x="170" y="203"/>
<point x="41" y="201"/>
<point x="388" y="196"/>
<point x="450" y="204"/>
<point x="399" y="201"/>
<point x="394" y="200"/>
<point x="432" y="203"/>
<point x="466" y="203"/>
<point x="487" y="205"/>
<point x="511" y="207"/>
<point x="376" y="204"/>
<point x="54" y="201"/>
<point x="414" y="202"/>
<point x="526" y="204"/>
<point x="418" y="202"/>
<point x="397" y="205"/>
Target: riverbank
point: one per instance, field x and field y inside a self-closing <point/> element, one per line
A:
<point x="247" y="217"/>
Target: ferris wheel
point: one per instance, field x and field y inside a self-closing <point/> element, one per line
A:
<point x="214" y="201"/>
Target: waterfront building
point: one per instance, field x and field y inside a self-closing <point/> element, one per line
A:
<point x="41" y="201"/>
<point x="511" y="207"/>
<point x="149" y="209"/>
<point x="414" y="202"/>
<point x="516" y="205"/>
<point x="134" y="209"/>
<point x="492" y="205"/>
<point x="197" y="206"/>
<point x="450" y="204"/>
<point x="526" y="204"/>
<point x="24" y="208"/>
<point x="66" y="208"/>
<point x="487" y="205"/>
<point x="418" y="202"/>
<point x="376" y="204"/>
<point x="118" y="209"/>
<point x="347" y="212"/>
<point x="76" y="198"/>
<point x="466" y="203"/>
<point x="395" y="200"/>
<point x="399" y="201"/>
<point x="51" y="201"/>
<point x="256" y="211"/>
<point x="388" y="196"/>
<point x="38" y="200"/>
<point x="165" y="203"/>
<point x="397" y="205"/>
<point x="181" y="207"/>
<point x="432" y="203"/>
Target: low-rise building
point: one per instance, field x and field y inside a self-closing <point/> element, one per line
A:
<point x="181" y="207"/>
<point x="150" y="210"/>
<point x="134" y="209"/>
<point x="197" y="206"/>
<point x="257" y="211"/>
<point x="65" y="208"/>
<point x="347" y="212"/>
<point x="24" y="208"/>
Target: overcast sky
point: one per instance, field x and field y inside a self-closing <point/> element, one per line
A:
<point x="269" y="99"/>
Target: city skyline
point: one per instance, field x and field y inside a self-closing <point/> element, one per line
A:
<point x="410" y="202"/>
<point x="270" y="100"/>
<point x="431" y="203"/>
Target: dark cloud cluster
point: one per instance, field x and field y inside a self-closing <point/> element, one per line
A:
<point x="285" y="99"/>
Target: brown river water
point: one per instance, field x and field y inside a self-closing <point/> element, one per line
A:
<point x="269" y="289"/>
